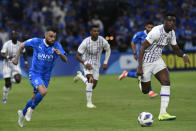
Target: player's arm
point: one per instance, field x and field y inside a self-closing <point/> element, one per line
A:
<point x="133" y="49"/>
<point x="63" y="57"/>
<point x="3" y="53"/>
<point x="79" y="58"/>
<point x="107" y="56"/>
<point x="15" y="61"/>
<point x="144" y="46"/>
<point x="180" y="53"/>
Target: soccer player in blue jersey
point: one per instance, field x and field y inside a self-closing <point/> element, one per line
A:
<point x="138" y="38"/>
<point x="45" y="52"/>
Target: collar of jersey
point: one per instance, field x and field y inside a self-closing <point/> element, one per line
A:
<point x="46" y="43"/>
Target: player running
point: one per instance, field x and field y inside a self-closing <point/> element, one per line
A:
<point x="45" y="52"/>
<point x="138" y="38"/>
<point x="91" y="48"/>
<point x="150" y="61"/>
<point x="10" y="70"/>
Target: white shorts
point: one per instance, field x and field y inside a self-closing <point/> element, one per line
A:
<point x="94" y="72"/>
<point x="152" y="68"/>
<point x="9" y="69"/>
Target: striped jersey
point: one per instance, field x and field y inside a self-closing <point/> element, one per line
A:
<point x="92" y="50"/>
<point x="138" y="38"/>
<point x="158" y="39"/>
<point x="10" y="49"/>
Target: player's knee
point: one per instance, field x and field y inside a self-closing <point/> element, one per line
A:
<point x="43" y="92"/>
<point x="17" y="80"/>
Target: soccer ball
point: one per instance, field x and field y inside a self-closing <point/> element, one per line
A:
<point x="145" y="119"/>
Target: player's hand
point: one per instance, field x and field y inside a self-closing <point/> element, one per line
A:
<point x="139" y="71"/>
<point x="135" y="57"/>
<point x="186" y="59"/>
<point x="57" y="51"/>
<point x="88" y="66"/>
<point x="105" y="66"/>
<point x="15" y="62"/>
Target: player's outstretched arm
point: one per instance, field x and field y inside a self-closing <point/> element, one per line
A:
<point x="63" y="57"/>
<point x="15" y="61"/>
<point x="180" y="53"/>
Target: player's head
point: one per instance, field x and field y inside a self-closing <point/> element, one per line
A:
<point x="169" y="21"/>
<point x="94" y="32"/>
<point x="50" y="35"/>
<point x="148" y="26"/>
<point x="14" y="36"/>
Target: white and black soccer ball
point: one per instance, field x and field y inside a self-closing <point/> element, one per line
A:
<point x="145" y="119"/>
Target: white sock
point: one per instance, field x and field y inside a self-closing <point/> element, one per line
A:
<point x="89" y="91"/>
<point x="165" y="94"/>
<point x="5" y="92"/>
<point x="84" y="79"/>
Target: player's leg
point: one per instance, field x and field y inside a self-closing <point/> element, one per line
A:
<point x="81" y="77"/>
<point x="145" y="80"/>
<point x="22" y="113"/>
<point x="16" y="72"/>
<point x="42" y="91"/>
<point x="162" y="74"/>
<point x="89" y="91"/>
<point x="17" y="78"/>
<point x="6" y="89"/>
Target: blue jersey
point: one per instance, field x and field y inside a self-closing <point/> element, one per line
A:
<point x="43" y="56"/>
<point x="138" y="38"/>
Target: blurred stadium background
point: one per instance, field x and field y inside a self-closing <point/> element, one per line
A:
<point x="118" y="103"/>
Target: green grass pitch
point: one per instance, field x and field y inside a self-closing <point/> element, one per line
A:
<point x="118" y="105"/>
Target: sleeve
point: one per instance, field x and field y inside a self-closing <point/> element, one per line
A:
<point x="31" y="42"/>
<point x="60" y="48"/>
<point x="106" y="44"/>
<point x="4" y="48"/>
<point x="173" y="39"/>
<point x="135" y="38"/>
<point x="153" y="36"/>
<point x="82" y="47"/>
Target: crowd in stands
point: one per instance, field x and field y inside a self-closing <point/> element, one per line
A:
<point x="117" y="18"/>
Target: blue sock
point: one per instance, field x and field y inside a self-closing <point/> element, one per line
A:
<point x="131" y="74"/>
<point x="37" y="99"/>
<point x="29" y="103"/>
<point x="150" y="88"/>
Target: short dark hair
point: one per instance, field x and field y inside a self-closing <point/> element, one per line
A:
<point x="94" y="26"/>
<point x="169" y="14"/>
<point x="149" y="23"/>
<point x="52" y="28"/>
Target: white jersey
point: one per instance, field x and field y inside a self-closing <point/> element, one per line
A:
<point x="158" y="39"/>
<point x="10" y="49"/>
<point x="92" y="50"/>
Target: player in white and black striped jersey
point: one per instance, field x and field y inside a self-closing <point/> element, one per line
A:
<point x="91" y="48"/>
<point x="150" y="61"/>
<point x="8" y="52"/>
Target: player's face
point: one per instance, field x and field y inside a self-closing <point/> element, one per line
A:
<point x="169" y="23"/>
<point x="50" y="37"/>
<point x="94" y="33"/>
<point x="14" y="36"/>
<point x="149" y="28"/>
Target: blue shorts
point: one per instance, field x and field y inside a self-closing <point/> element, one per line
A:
<point x="37" y="80"/>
